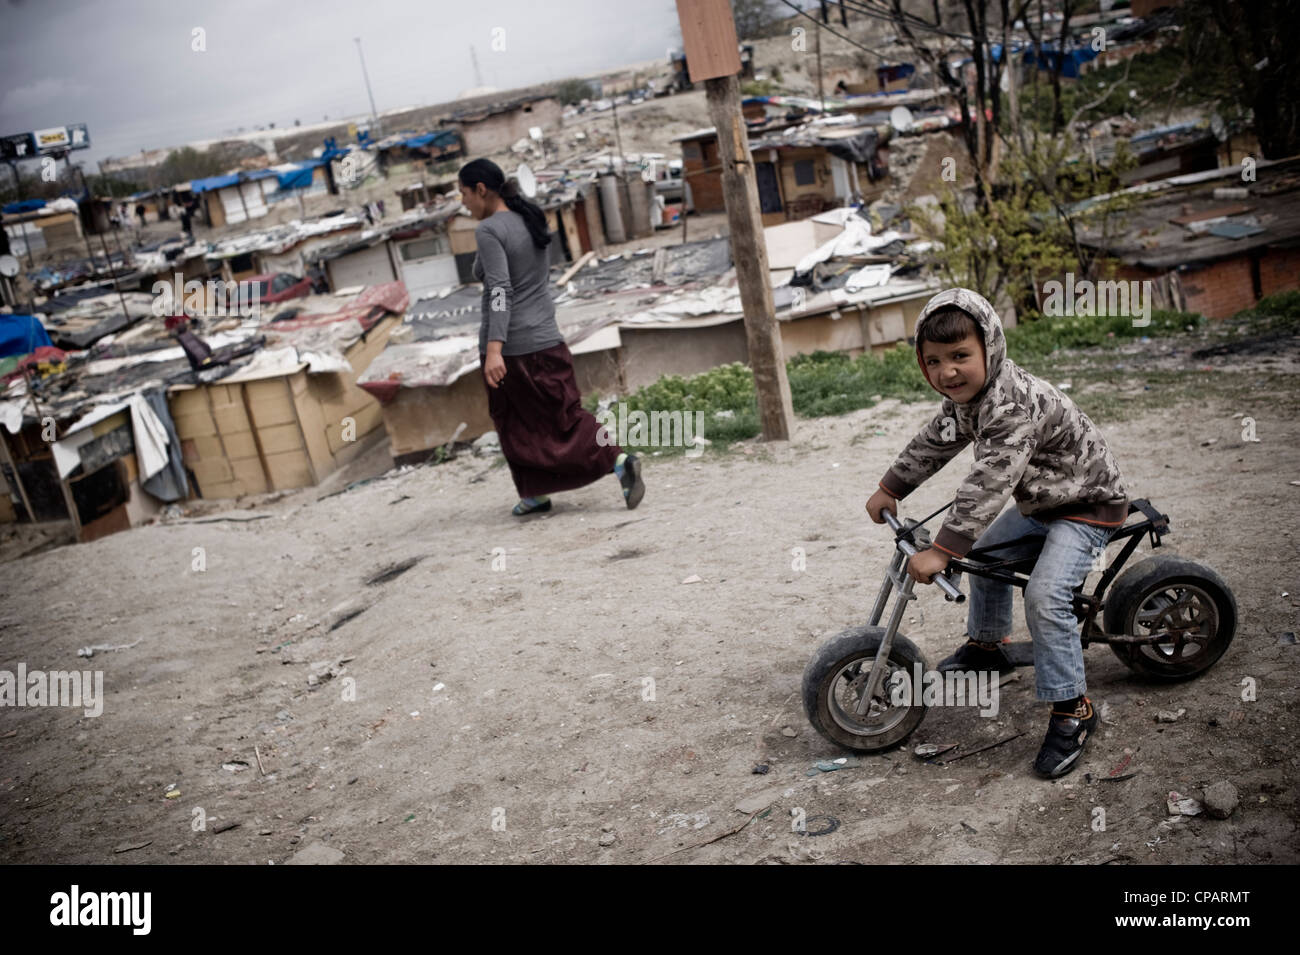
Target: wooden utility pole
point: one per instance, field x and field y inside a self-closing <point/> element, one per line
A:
<point x="713" y="55"/>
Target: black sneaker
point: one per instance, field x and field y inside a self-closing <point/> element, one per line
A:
<point x="1067" y="734"/>
<point x="633" y="486"/>
<point x="975" y="656"/>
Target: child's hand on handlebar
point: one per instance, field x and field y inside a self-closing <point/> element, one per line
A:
<point x="878" y="502"/>
<point x="926" y="564"/>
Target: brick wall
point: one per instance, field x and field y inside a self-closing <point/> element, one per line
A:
<point x="1279" y="271"/>
<point x="1224" y="288"/>
<point x="1220" y="289"/>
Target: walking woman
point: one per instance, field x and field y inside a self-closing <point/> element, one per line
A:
<point x="550" y="442"/>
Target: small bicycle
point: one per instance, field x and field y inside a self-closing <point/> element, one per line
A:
<point x="1166" y="618"/>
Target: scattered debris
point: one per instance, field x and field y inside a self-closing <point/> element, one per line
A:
<point x="225" y="826"/>
<point x="316" y="854"/>
<point x="1169" y="716"/>
<point x="1128" y="758"/>
<point x="789" y="731"/>
<point x="1180" y="805"/>
<point x="759" y="801"/>
<point x="235" y="766"/>
<point x="103" y="648"/>
<point x="692" y="579"/>
<point x="931" y="750"/>
<point x="761" y="769"/>
<point x="396" y="570"/>
<point x="830" y="766"/>
<point x="1221" y="799"/>
<point x="1286" y="638"/>
<point x="243" y="518"/>
<point x="487" y="445"/>
<point x="131" y="846"/>
<point x="828" y="825"/>
<point x="982" y="749"/>
<point x="721" y="835"/>
<point x="323" y="670"/>
<point x="607" y="839"/>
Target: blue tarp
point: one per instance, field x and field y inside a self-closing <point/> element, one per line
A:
<point x="221" y="182"/>
<point x="299" y="178"/>
<point x="1048" y="58"/>
<point x="27" y="205"/>
<point x="21" y="335"/>
<point x="443" y="137"/>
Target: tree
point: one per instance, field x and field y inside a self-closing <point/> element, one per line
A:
<point x="1032" y="225"/>
<point x="570" y="92"/>
<point x="188" y="163"/>
<point x="753" y="17"/>
<point x="1257" y="37"/>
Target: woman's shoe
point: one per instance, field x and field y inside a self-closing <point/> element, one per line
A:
<point x="633" y="486"/>
<point x="530" y="506"/>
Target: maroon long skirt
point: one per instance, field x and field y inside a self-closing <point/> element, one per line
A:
<point x="548" y="438"/>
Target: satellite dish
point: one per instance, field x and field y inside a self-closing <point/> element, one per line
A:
<point x="8" y="266"/>
<point x="527" y="181"/>
<point x="900" y="117"/>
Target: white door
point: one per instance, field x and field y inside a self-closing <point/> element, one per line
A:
<point x="367" y="267"/>
<point x="428" y="266"/>
<point x="234" y="208"/>
<point x="840" y="178"/>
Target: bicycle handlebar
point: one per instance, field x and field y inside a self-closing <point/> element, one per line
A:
<point x="951" y="592"/>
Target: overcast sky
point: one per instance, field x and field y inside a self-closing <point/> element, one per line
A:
<point x="127" y="68"/>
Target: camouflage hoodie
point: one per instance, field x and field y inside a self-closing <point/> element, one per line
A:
<point x="1030" y="441"/>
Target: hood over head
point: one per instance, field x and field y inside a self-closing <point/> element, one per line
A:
<point x="978" y="308"/>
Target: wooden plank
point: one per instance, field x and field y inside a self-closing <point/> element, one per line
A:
<point x="296" y="387"/>
<point x="569" y="222"/>
<point x="289" y="470"/>
<point x="709" y="39"/>
<point x="280" y="437"/>
<point x="271" y="401"/>
<point x="13" y="468"/>
<point x="261" y="455"/>
<point x="315" y="422"/>
<point x="573" y="269"/>
<point x="216" y="471"/>
<point x="249" y="476"/>
<point x="1232" y="210"/>
<point x="197" y="425"/>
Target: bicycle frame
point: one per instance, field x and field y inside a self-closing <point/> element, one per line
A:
<point x="912" y="536"/>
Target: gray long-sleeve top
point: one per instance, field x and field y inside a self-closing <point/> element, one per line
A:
<point x="517" y="306"/>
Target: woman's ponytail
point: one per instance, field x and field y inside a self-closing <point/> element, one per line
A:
<point x="490" y="174"/>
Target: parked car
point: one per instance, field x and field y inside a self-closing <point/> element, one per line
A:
<point x="280" y="287"/>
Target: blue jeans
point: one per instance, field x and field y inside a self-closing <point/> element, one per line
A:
<point x="1065" y="555"/>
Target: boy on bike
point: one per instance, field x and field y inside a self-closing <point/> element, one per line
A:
<point x="1033" y="442"/>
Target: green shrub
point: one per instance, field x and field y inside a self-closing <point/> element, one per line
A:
<point x="825" y="383"/>
<point x="1274" y="311"/>
<point x="1034" y="339"/>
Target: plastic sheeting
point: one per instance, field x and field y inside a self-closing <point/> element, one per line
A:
<point x="169" y="482"/>
<point x="21" y="335"/>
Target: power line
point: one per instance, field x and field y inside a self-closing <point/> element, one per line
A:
<point x="823" y="26"/>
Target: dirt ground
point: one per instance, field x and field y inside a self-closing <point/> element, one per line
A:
<point x="492" y="702"/>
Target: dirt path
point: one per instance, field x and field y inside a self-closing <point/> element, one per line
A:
<point x="501" y="711"/>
